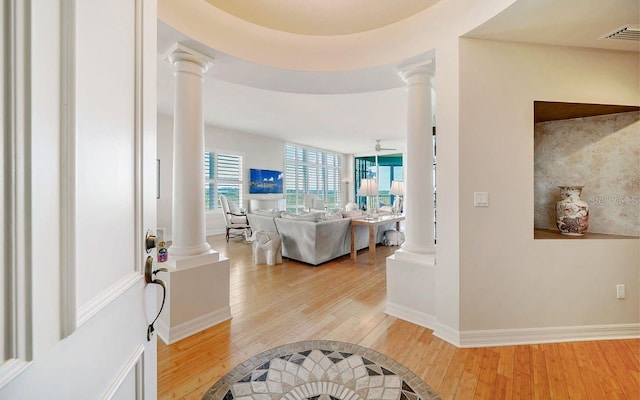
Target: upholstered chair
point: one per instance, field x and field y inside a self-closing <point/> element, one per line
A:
<point x="234" y="219"/>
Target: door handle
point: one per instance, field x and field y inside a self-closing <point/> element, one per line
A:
<point x="149" y="274"/>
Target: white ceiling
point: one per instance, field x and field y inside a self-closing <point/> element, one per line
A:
<point x="347" y="111"/>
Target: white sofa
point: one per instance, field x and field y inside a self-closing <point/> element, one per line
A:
<point x="314" y="241"/>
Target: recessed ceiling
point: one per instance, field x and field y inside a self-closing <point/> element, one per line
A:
<point x="322" y="17"/>
<point x="345" y="110"/>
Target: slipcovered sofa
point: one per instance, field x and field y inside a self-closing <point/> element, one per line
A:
<point x="312" y="238"/>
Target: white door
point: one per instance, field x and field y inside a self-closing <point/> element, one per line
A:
<point x="78" y="194"/>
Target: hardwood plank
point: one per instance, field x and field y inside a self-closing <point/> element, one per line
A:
<point x="540" y="374"/>
<point x="606" y="376"/>
<point x="487" y="377"/>
<point x="571" y="372"/>
<point x="624" y="378"/>
<point x="588" y="371"/>
<point x="555" y="373"/>
<point x="504" y="376"/>
<point x="343" y="300"/>
<point x="451" y="381"/>
<point x="522" y="375"/>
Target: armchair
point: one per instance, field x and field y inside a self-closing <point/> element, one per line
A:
<point x="234" y="218"/>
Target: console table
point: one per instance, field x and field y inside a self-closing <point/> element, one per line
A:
<point x="371" y="223"/>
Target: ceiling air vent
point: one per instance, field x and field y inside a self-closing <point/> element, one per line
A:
<point x="627" y="32"/>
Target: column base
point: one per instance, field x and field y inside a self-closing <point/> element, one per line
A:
<point x="189" y="251"/>
<point x="426" y="257"/>
<point x="198" y="292"/>
<point x="411" y="288"/>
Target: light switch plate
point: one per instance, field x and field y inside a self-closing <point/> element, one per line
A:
<point x="481" y="199"/>
<point x="620" y="292"/>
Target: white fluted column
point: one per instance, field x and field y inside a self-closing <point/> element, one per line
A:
<point x="188" y="217"/>
<point x="418" y="166"/>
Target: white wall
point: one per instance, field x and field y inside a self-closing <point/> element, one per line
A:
<point x="508" y="280"/>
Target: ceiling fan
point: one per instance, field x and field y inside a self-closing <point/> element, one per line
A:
<point x="378" y="147"/>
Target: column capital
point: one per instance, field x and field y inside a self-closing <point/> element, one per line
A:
<point x="418" y="72"/>
<point x="180" y="52"/>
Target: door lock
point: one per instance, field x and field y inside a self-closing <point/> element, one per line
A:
<point x="150" y="241"/>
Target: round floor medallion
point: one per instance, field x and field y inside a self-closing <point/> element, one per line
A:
<point x="320" y="370"/>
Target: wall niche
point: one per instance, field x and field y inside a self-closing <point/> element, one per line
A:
<point x="592" y="145"/>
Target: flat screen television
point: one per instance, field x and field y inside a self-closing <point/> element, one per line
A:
<point x="263" y="181"/>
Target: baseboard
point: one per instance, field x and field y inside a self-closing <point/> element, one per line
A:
<point x="186" y="329"/>
<point x="508" y="337"/>
<point x="447" y="334"/>
<point x="411" y="315"/>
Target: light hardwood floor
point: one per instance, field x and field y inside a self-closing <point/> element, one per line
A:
<point x="344" y="301"/>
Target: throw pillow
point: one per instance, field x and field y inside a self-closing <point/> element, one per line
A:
<point x="267" y="213"/>
<point x="329" y="216"/>
<point x="301" y="217"/>
<point x="233" y="207"/>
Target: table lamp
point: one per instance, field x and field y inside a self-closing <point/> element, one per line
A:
<point x="397" y="189"/>
<point x="369" y="188"/>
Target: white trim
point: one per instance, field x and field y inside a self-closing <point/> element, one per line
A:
<point x="138" y="200"/>
<point x="68" y="140"/>
<point x="186" y="329"/>
<point x="135" y="361"/>
<point x="508" y="337"/>
<point x="17" y="291"/>
<point x="10" y="369"/>
<point x="447" y="334"/>
<point x="411" y="315"/>
<point x="93" y="307"/>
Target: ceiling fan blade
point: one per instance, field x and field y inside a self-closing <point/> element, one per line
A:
<point x="378" y="147"/>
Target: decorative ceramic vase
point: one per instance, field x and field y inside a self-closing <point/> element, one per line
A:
<point x="572" y="213"/>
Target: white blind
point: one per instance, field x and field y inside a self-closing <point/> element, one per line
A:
<point x="312" y="171"/>
<point x="223" y="176"/>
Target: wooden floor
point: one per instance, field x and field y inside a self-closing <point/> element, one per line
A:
<point x="342" y="300"/>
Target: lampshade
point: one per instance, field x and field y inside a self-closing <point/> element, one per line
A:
<point x="397" y="188"/>
<point x="368" y="187"/>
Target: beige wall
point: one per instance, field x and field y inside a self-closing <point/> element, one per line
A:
<point x="601" y="153"/>
<point x="508" y="280"/>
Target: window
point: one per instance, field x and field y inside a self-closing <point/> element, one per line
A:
<point x="385" y="169"/>
<point x="222" y="175"/>
<point x="312" y="171"/>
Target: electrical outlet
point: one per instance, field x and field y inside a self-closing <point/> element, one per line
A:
<point x="620" y="292"/>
